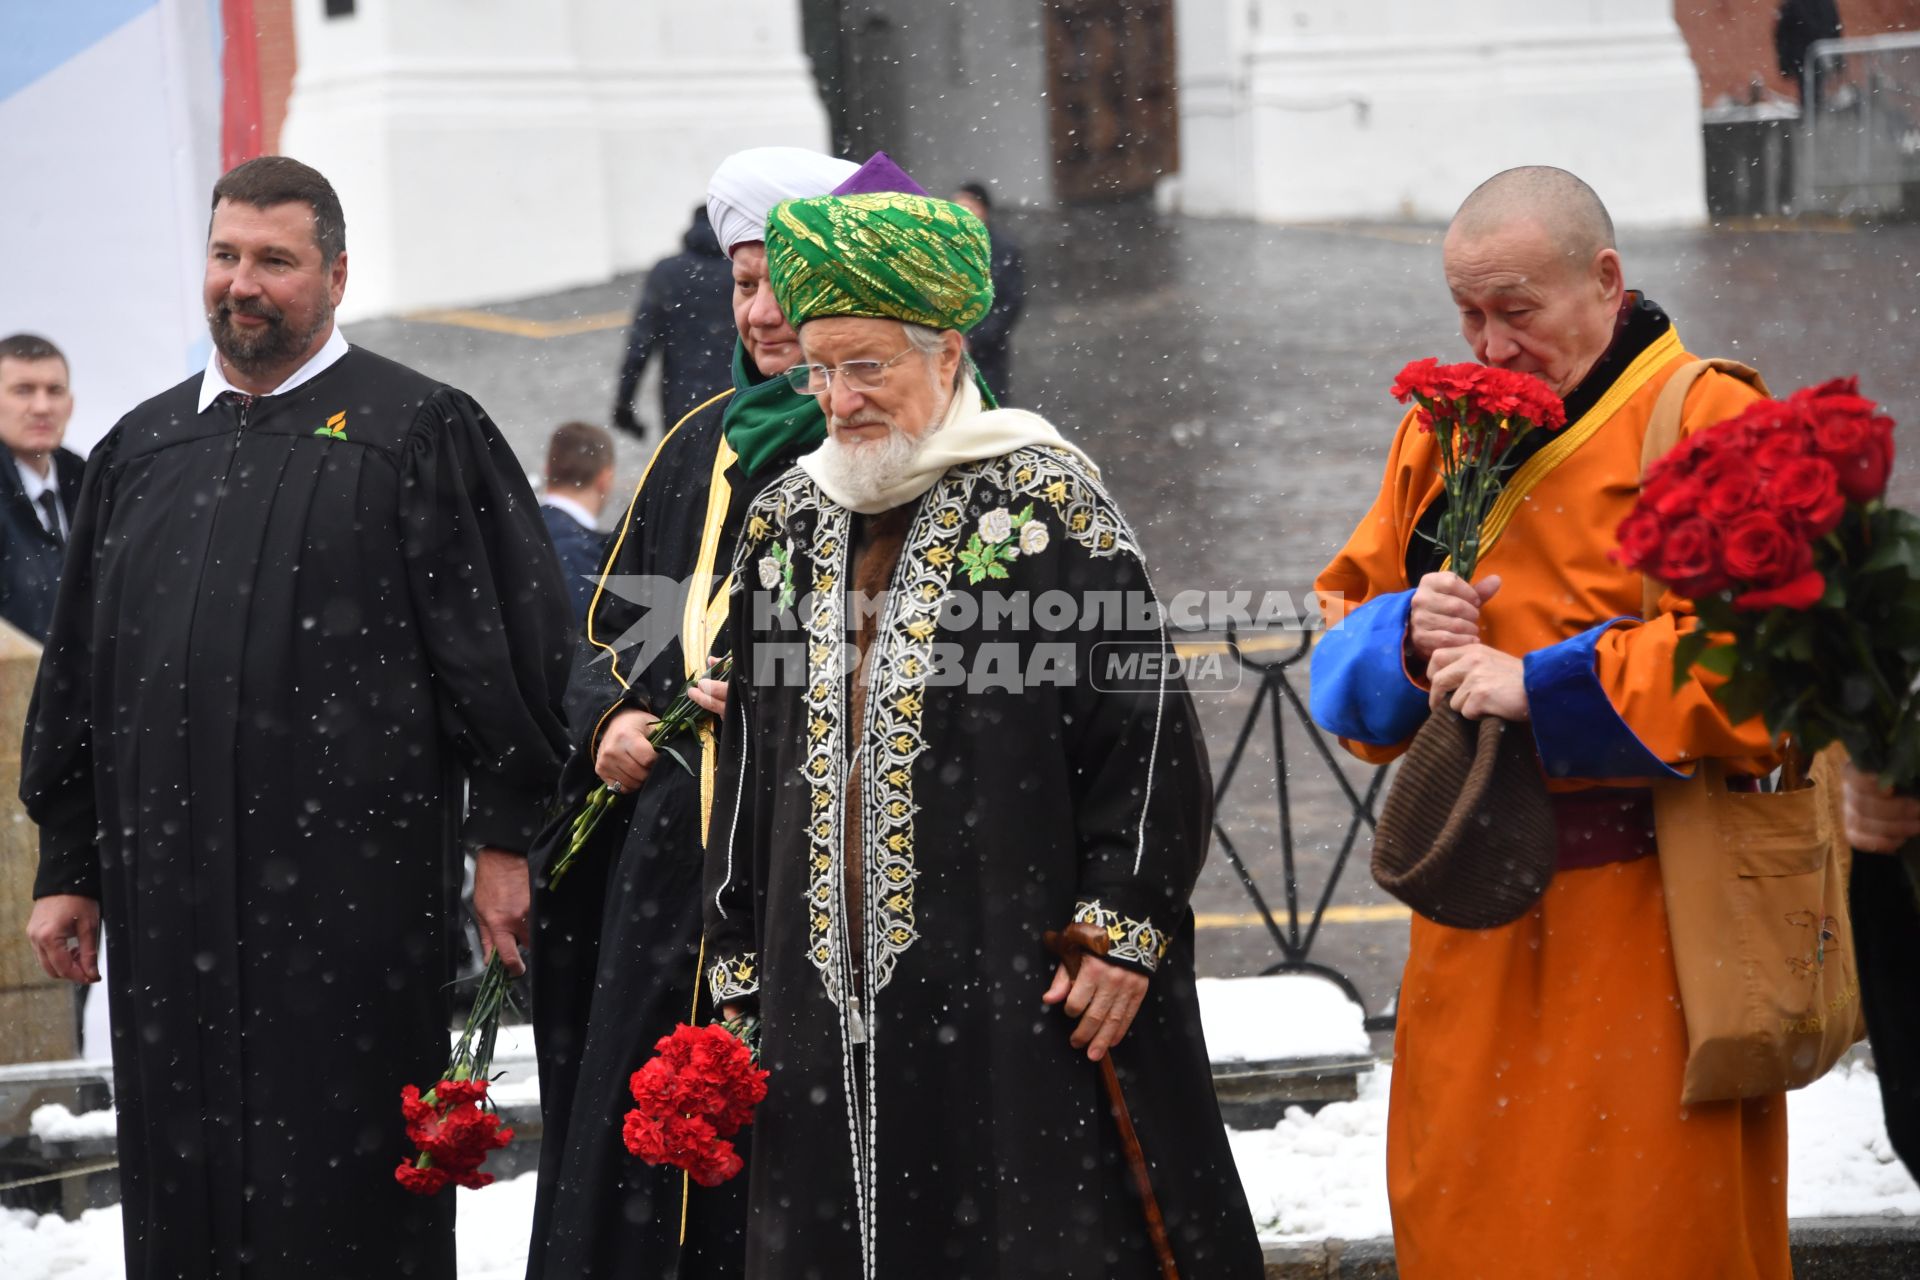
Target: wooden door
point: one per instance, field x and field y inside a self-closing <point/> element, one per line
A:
<point x="1115" y="116"/>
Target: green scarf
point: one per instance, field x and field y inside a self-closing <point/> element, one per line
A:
<point x="765" y="417"/>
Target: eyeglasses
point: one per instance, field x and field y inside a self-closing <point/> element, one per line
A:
<point x="855" y="375"/>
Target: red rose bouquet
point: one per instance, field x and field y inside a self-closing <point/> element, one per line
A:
<point x="1807" y="584"/>
<point x="693" y="1097"/>
<point x="453" y="1123"/>
<point x="1477" y="414"/>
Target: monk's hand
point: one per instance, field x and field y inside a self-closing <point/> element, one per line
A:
<point x="710" y="695"/>
<point x="502" y="896"/>
<point x="626" y="757"/>
<point x="1878" y="821"/>
<point x="1105" y="997"/>
<point x="1479" y="681"/>
<point x="64" y="929"/>
<point x="1445" y="614"/>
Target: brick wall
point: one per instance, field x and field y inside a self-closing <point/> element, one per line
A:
<point x="1732" y="40"/>
<point x="273" y="22"/>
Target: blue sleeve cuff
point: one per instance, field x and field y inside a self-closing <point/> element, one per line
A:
<point x="1575" y="727"/>
<point x="1360" y="690"/>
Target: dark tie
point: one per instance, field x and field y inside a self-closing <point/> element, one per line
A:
<point x="50" y="513"/>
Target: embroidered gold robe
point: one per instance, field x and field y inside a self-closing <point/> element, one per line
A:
<point x="927" y="1115"/>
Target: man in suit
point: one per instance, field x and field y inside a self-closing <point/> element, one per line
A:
<point x="579" y="477"/>
<point x="37" y="492"/>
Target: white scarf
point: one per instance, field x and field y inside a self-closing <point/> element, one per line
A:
<point x="968" y="433"/>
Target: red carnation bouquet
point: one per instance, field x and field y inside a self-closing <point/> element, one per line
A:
<point x="1477" y="414"/>
<point x="453" y="1123"/>
<point x="1807" y="584"/>
<point x="693" y="1097"/>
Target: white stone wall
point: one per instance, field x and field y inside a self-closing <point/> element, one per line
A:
<point x="488" y="149"/>
<point x="1304" y="110"/>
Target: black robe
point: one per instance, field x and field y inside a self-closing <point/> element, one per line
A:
<point x="617" y="941"/>
<point x="927" y="1115"/>
<point x="278" y="653"/>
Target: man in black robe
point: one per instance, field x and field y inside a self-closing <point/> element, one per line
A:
<point x="618" y="937"/>
<point x="311" y="641"/>
<point x="929" y="761"/>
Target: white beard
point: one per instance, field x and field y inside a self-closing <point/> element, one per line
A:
<point x="865" y="471"/>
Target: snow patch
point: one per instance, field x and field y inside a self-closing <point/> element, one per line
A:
<point x="1279" y="1017"/>
<point x="54" y="1123"/>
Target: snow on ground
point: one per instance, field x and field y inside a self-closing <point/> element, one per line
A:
<point x="1842" y="1165"/>
<point x="1309" y="1177"/>
<point x="1324" y="1175"/>
<point x="1287" y="1015"/>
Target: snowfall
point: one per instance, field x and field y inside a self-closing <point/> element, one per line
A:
<point x="1312" y="1176"/>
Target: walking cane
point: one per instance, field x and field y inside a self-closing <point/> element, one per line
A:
<point x="1070" y="944"/>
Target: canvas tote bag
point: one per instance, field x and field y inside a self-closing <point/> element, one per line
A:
<point x="1756" y="895"/>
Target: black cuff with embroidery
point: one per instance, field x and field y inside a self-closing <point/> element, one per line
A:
<point x="1136" y="944"/>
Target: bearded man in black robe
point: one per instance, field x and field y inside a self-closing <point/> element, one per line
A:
<point x="311" y="640"/>
<point x="930" y="760"/>
<point x="617" y="935"/>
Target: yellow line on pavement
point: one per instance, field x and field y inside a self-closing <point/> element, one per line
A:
<point x="1370" y="913"/>
<point x="1266" y="642"/>
<point x="488" y="322"/>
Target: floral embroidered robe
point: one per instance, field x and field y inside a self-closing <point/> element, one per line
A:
<point x="926" y="1112"/>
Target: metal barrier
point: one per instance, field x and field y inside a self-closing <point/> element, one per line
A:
<point x="1860" y="141"/>
<point x="1275" y="699"/>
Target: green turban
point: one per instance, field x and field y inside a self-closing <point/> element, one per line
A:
<point x="892" y="256"/>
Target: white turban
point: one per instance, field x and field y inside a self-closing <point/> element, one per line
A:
<point x="746" y="186"/>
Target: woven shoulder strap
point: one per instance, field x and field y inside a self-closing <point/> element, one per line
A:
<point x="1663" y="432"/>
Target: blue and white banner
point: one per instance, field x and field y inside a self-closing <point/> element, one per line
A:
<point x="110" y="136"/>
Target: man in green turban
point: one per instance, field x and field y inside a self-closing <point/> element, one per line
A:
<point x="929" y="760"/>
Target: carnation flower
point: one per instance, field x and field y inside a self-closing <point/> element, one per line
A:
<point x="698" y="1091"/>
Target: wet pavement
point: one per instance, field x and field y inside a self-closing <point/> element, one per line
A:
<point x="1231" y="380"/>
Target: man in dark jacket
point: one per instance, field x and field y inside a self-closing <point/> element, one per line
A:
<point x="579" y="477"/>
<point x="989" y="342"/>
<point x="1799" y="24"/>
<point x="37" y="492"/>
<point x="685" y="317"/>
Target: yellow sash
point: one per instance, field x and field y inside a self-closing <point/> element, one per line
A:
<point x="1569" y="440"/>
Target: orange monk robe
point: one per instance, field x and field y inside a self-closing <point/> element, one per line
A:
<point x="1536" y="1128"/>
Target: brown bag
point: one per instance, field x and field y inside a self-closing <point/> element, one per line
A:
<point x="1756" y="894"/>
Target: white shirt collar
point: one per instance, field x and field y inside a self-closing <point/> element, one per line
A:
<point x="214" y="381"/>
<point x="35" y="484"/>
<point x="583" y="517"/>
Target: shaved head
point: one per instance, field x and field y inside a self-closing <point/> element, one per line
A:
<point x="1532" y="267"/>
<point x="1566" y="208"/>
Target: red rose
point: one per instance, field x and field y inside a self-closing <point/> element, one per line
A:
<point x="1641" y="536"/>
<point x="1679" y="499"/>
<point x="1808" y="492"/>
<point x="1775" y="449"/>
<point x="1802" y="592"/>
<point x="1761" y="549"/>
<point x="1690" y="559"/>
<point x="1730" y="487"/>
<point x="1861" y="451"/>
